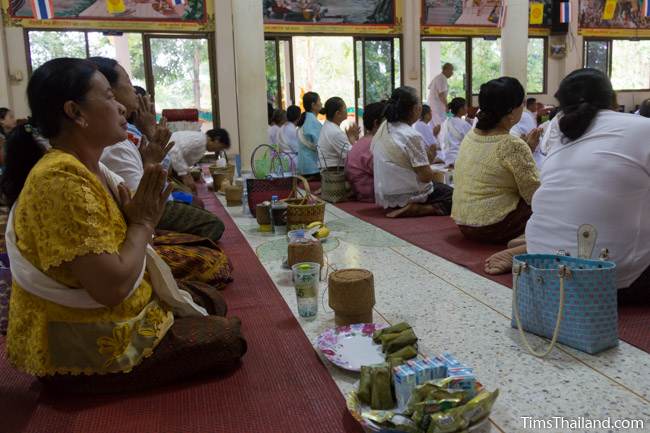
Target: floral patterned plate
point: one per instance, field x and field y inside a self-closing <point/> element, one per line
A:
<point x="350" y="347"/>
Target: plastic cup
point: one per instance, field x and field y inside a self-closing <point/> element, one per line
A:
<point x="306" y="278"/>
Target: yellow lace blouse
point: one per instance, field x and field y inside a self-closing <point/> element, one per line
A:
<point x="65" y="212"/>
<point x="492" y="174"/>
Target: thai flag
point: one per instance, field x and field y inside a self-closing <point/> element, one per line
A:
<point x="42" y="9"/>
<point x="646" y="8"/>
<point x="177" y="2"/>
<point x="502" y="15"/>
<point x="565" y="12"/>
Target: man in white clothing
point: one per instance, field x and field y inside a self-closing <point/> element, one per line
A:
<point x="438" y="93"/>
<point x="528" y="120"/>
<point x="526" y="125"/>
<point x="191" y="146"/>
<point x="333" y="143"/>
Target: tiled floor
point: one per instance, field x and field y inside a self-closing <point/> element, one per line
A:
<point x="453" y="309"/>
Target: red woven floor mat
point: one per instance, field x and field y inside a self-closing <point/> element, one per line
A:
<point x="281" y="387"/>
<point x="440" y="236"/>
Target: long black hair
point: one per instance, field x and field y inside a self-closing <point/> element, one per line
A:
<point x="582" y="94"/>
<point x="401" y="103"/>
<point x="51" y="86"/>
<point x="496" y="99"/>
<point x="308" y="101"/>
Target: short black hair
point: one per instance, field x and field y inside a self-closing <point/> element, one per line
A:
<point x="140" y="91"/>
<point x="426" y="109"/>
<point x="108" y="68"/>
<point x="279" y="117"/>
<point x="332" y="106"/>
<point x="221" y="135"/>
<point x="293" y="113"/>
<point x="3" y="112"/>
<point x="530" y="101"/>
<point x="372" y="114"/>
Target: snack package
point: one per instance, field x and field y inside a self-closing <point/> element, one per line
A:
<point x="450" y="361"/>
<point x="405" y="382"/>
<point x="423" y="370"/>
<point x="480" y="406"/>
<point x="378" y="416"/>
<point x="432" y="392"/>
<point x="365" y="384"/>
<point x="439" y="368"/>
<point x="395" y="329"/>
<point x="463" y="378"/>
<point x="381" y="394"/>
<point x="447" y="422"/>
<point x="405" y="338"/>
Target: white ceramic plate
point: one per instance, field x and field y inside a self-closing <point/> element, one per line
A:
<point x="350" y="347"/>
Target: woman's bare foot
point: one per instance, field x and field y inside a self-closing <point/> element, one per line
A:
<point x="501" y="262"/>
<point x="416" y="210"/>
<point x="521" y="240"/>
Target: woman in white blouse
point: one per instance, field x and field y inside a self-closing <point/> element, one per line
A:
<point x="333" y="143"/>
<point x="454" y="130"/>
<point x="597" y="172"/>
<point x="402" y="174"/>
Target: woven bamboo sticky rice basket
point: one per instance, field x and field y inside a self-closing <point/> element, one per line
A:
<point x="304" y="210"/>
<point x="222" y="174"/>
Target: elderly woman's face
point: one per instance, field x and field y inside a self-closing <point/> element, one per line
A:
<point x="124" y="91"/>
<point x="103" y="116"/>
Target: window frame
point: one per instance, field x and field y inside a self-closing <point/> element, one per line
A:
<point x="610" y="56"/>
<point x="148" y="70"/>
<point x="607" y="41"/>
<point x="469" y="66"/>
<point x="544" y="70"/>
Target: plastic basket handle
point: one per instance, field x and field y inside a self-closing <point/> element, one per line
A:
<point x="253" y="157"/>
<point x="563" y="272"/>
<point x="277" y="155"/>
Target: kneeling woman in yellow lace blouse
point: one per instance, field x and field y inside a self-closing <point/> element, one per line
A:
<point x="84" y="314"/>
<point x="496" y="175"/>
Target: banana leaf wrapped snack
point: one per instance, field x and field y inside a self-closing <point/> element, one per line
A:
<point x="375" y="387"/>
<point x="405" y="338"/>
<point x="398" y="357"/>
<point x="365" y="384"/>
<point x="381" y="392"/>
<point x="395" y="329"/>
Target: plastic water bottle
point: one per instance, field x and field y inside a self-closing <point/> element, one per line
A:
<point x="244" y="198"/>
<point x="274" y="200"/>
<point x="278" y="216"/>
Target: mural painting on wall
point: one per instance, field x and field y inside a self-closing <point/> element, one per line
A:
<point x="471" y="13"/>
<point x="624" y="14"/>
<point x="329" y="11"/>
<point x="136" y="10"/>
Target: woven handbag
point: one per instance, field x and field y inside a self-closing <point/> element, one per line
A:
<point x="570" y="300"/>
<point x="334" y="187"/>
<point x="303" y="210"/>
<point x="277" y="183"/>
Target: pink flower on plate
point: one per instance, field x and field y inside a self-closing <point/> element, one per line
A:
<point x="368" y="329"/>
<point x="328" y="352"/>
<point x="344" y="329"/>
